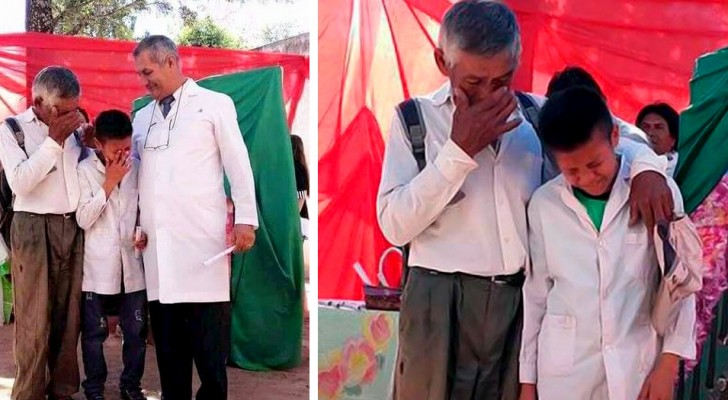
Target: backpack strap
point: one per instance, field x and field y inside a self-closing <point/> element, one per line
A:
<point x="84" y="150"/>
<point x="529" y="108"/>
<point x="530" y="111"/>
<point x="414" y="127"/>
<point x="17" y="132"/>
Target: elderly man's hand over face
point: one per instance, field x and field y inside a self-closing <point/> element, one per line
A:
<point x="61" y="127"/>
<point x="476" y="125"/>
<point x="650" y="199"/>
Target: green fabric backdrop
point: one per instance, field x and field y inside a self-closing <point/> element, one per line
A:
<point x="703" y="140"/>
<point x="267" y="282"/>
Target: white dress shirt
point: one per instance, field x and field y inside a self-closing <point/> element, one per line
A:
<point x="181" y="195"/>
<point x="37" y="187"/>
<point x="485" y="232"/>
<point x="587" y="298"/>
<point x="671" y="160"/>
<point x="109" y="226"/>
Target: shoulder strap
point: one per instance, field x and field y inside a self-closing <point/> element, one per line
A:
<point x="529" y="108"/>
<point x="414" y="127"/>
<point x="17" y="132"/>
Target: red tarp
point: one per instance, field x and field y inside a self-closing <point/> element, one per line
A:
<point x="105" y="69"/>
<point x="373" y="54"/>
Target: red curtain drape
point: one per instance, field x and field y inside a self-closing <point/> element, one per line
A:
<point x="105" y="69"/>
<point x="373" y="54"/>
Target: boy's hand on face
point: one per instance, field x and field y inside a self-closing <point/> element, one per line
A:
<point x="660" y="383"/>
<point x="116" y="169"/>
<point x="650" y="199"/>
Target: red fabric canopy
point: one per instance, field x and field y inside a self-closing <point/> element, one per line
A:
<point x="374" y="54"/>
<point x="105" y="69"/>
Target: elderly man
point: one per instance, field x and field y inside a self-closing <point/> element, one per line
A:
<point x="185" y="139"/>
<point x="464" y="214"/>
<point x="40" y="155"/>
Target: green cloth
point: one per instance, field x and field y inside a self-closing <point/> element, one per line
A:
<point x="267" y="282"/>
<point x="703" y="140"/>
<point x="6" y="286"/>
<point x="594" y="207"/>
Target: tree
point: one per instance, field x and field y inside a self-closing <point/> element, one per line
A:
<point x="277" y="32"/>
<point x="111" y="19"/>
<point x="204" y="33"/>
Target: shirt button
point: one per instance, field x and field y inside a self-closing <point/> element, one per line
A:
<point x="507" y="240"/>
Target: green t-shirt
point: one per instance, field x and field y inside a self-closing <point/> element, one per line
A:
<point x="594" y="206"/>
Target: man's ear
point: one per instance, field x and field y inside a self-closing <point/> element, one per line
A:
<point x="440" y="61"/>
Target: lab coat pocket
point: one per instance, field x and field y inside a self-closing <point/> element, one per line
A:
<point x="636" y="244"/>
<point x="557" y="345"/>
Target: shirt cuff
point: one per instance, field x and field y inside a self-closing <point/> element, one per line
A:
<point x="684" y="347"/>
<point x="246" y="220"/>
<point x="527" y="372"/>
<point x="453" y="162"/>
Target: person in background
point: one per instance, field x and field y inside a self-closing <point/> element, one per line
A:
<point x="301" y="169"/>
<point x="662" y="124"/>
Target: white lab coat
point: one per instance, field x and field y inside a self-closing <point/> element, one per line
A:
<point x="587" y="331"/>
<point x="183" y="208"/>
<point x="108" y="225"/>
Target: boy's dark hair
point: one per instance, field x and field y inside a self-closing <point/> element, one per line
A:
<point x="112" y="124"/>
<point x="571" y="77"/>
<point x="570" y="118"/>
<point x="667" y="113"/>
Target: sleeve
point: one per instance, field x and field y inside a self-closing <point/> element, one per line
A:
<point x="640" y="157"/>
<point x="680" y="338"/>
<point x="91" y="204"/>
<point x="236" y="163"/>
<point x="535" y="291"/>
<point x="25" y="173"/>
<point x="408" y="200"/>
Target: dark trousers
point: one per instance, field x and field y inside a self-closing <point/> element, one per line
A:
<point x="94" y="331"/>
<point x="191" y="332"/>
<point x="47" y="260"/>
<point x="459" y="338"/>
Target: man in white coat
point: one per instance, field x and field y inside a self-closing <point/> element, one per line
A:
<point x="187" y="139"/>
<point x="587" y="331"/>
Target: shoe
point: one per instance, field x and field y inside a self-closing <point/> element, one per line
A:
<point x="94" y="397"/>
<point x="132" y="394"/>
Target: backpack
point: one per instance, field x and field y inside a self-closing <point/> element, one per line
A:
<point x="6" y="194"/>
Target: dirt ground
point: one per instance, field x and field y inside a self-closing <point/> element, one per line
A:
<point x="276" y="385"/>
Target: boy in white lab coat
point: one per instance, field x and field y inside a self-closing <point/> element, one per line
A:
<point x="587" y="332"/>
<point x="112" y="267"/>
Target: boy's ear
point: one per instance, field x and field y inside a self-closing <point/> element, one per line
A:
<point x="614" y="136"/>
<point x="97" y="144"/>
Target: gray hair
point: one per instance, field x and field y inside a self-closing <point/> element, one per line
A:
<point x="480" y="27"/>
<point x="55" y="82"/>
<point x="159" y="47"/>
